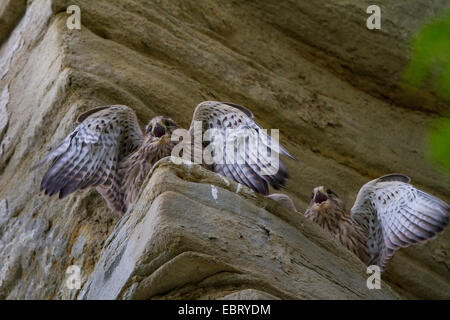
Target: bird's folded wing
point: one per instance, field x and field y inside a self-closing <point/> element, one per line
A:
<point x="396" y="215"/>
<point x="242" y="151"/>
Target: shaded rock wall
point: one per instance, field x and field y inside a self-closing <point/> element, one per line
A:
<point x="311" y="69"/>
<point x="11" y="11"/>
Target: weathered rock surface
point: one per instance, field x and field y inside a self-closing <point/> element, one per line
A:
<point x="194" y="234"/>
<point x="310" y="68"/>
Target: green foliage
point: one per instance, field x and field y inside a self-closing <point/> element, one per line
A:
<point x="431" y="55"/>
<point x="431" y="58"/>
<point x="439" y="141"/>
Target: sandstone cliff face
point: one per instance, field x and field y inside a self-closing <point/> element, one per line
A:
<point x="311" y="69"/>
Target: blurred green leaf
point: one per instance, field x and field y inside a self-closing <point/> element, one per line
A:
<point x="431" y="55"/>
<point x="431" y="59"/>
<point x="439" y="142"/>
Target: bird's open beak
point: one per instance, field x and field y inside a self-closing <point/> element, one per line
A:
<point x="320" y="197"/>
<point x="158" y="130"/>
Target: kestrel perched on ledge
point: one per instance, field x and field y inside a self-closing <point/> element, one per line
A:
<point x="388" y="214"/>
<point x="108" y="151"/>
<point x="252" y="161"/>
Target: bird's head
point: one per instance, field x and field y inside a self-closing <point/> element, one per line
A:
<point x="324" y="197"/>
<point x="160" y="126"/>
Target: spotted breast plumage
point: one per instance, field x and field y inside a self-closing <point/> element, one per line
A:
<point x="108" y="151"/>
<point x="389" y="213"/>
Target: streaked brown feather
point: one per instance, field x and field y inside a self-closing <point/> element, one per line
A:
<point x="388" y="214"/>
<point x="334" y="219"/>
<point x="250" y="170"/>
<point x="90" y="155"/>
<point x="134" y="169"/>
<point x="109" y="152"/>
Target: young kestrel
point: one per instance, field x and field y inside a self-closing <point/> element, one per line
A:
<point x="248" y="161"/>
<point x="108" y="151"/>
<point x="388" y="214"/>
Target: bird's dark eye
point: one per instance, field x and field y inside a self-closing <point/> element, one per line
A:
<point x="312" y="195"/>
<point x="149" y="128"/>
<point x="167" y="123"/>
<point x="329" y="191"/>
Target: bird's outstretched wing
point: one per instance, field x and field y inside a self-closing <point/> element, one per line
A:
<point x="396" y="214"/>
<point x="241" y="150"/>
<point x="90" y="154"/>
